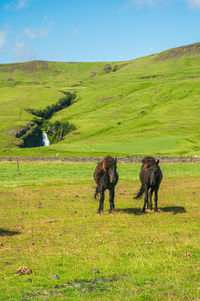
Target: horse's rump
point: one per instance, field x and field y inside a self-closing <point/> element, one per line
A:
<point x="150" y="177"/>
<point x="102" y="167"/>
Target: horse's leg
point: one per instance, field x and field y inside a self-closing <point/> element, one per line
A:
<point x="145" y="198"/>
<point x="113" y="204"/>
<point x="111" y="199"/>
<point x="148" y="206"/>
<point x="101" y="200"/>
<point x="156" y="200"/>
<point x="96" y="192"/>
<point x="150" y="197"/>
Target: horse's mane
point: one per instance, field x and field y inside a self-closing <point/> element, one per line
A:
<point x="102" y="167"/>
<point x="149" y="161"/>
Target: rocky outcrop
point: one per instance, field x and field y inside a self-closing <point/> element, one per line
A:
<point x="107" y="68"/>
<point x="115" y="68"/>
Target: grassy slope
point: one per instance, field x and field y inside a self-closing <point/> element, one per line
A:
<point x="168" y="124"/>
<point x="140" y="257"/>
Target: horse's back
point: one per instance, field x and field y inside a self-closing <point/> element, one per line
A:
<point x="150" y="173"/>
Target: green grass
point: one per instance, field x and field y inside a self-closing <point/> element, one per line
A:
<point x="147" y="115"/>
<point x="139" y="257"/>
<point x="34" y="173"/>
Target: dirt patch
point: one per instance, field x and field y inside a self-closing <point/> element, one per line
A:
<point x="28" y="67"/>
<point x="124" y="65"/>
<point x="23" y="271"/>
<point x="93" y="74"/>
<point x="197" y="212"/>
<point x="150" y="76"/>
<point x="105" y="99"/>
<point x="96" y="281"/>
<point x="76" y="85"/>
<point x="179" y="51"/>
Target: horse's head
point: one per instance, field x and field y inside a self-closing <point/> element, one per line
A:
<point x="112" y="171"/>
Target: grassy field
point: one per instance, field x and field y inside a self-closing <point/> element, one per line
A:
<point x="49" y="224"/>
<point x="149" y="105"/>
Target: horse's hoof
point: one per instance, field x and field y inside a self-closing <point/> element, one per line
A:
<point x="98" y="213"/>
<point x="110" y="212"/>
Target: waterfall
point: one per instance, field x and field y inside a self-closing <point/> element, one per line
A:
<point x="45" y="139"/>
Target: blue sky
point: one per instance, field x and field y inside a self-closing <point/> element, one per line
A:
<point x="94" y="30"/>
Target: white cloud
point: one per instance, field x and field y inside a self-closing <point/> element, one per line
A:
<point x="23" y="52"/>
<point x="3" y="35"/>
<point x="142" y="2"/>
<point x="76" y="32"/>
<point x="34" y="34"/>
<point x="7" y="5"/>
<point x="193" y="3"/>
<point x="16" y="4"/>
<point x="21" y="4"/>
<point x="42" y="33"/>
<point x="45" y="18"/>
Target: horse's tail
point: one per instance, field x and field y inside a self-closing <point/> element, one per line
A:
<point x="140" y="192"/>
<point x="96" y="193"/>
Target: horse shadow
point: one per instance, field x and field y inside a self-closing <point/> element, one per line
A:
<point x="135" y="211"/>
<point x="173" y="209"/>
<point x="138" y="211"/>
<point x="5" y="232"/>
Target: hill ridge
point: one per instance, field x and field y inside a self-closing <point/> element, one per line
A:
<point x="174" y="52"/>
<point x="148" y="106"/>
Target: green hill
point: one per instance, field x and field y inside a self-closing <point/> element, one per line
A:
<point x="144" y="106"/>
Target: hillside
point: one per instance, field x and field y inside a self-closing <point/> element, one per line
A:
<point x="144" y="106"/>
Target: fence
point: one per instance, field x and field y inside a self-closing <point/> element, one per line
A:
<point x="129" y="159"/>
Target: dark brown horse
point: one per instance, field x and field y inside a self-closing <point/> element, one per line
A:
<point x="150" y="177"/>
<point x="106" y="177"/>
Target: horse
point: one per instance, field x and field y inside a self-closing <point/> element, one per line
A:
<point x="150" y="177"/>
<point x="106" y="177"/>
